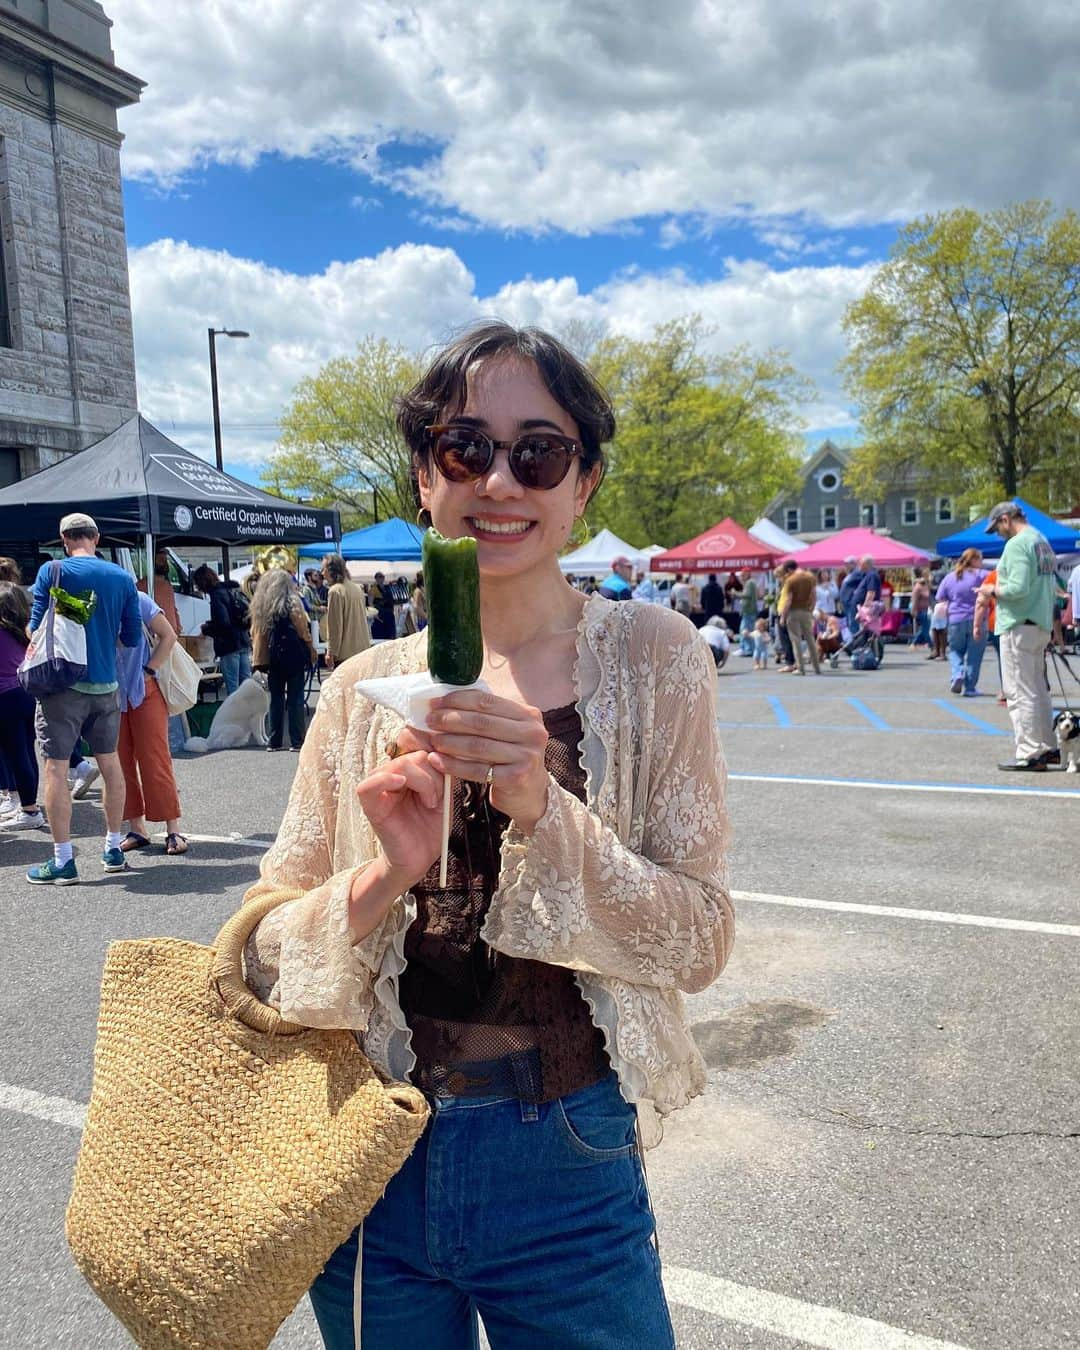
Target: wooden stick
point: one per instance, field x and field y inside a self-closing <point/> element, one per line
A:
<point x="447" y="802"/>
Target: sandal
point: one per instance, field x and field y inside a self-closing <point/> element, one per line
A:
<point x="175" y="844"/>
<point x="132" y="841"/>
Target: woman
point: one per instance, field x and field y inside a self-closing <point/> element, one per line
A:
<point x="18" y="761"/>
<point x="826" y="594"/>
<point x="920" y="610"/>
<point x="536" y="1001"/>
<point x="419" y="603"/>
<point x="281" y="645"/>
<point x="149" y="782"/>
<point x="958" y="589"/>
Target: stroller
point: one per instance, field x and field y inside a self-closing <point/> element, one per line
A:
<point x="867" y="637"/>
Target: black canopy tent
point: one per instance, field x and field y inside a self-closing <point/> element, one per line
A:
<point x="139" y="486"/>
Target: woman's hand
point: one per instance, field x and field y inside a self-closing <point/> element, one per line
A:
<point x="472" y="732"/>
<point x="403" y="801"/>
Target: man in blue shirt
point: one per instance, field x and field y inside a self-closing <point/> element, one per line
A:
<point x="90" y="709"/>
<point x="616" y="586"/>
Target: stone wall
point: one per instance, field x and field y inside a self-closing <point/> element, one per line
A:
<point x="68" y="376"/>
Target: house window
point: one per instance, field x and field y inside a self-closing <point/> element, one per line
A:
<point x="828" y="517"/>
<point x="829" y="481"/>
<point x="909" y="510"/>
<point x="944" y="510"/>
<point x="9" y="467"/>
<point x="792" y="518"/>
<point x="868" y="515"/>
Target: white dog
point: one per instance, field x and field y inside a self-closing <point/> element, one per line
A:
<point x="1067" y="726"/>
<point x="240" y="719"/>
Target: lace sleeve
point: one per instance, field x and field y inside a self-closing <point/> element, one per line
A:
<point x="574" y="894"/>
<point x="301" y="958"/>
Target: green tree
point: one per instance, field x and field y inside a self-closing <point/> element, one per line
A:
<point x="964" y="357"/>
<point x="338" y="438"/>
<point x="699" y="436"/>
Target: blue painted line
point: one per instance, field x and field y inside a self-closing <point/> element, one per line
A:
<point x="987" y="728"/>
<point x="878" y="723"/>
<point x="782" y="718"/>
<point x="815" y="726"/>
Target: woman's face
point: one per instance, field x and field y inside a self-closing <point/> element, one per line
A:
<point x="506" y="397"/>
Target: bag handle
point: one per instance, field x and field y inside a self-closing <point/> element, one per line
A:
<point x="227" y="972"/>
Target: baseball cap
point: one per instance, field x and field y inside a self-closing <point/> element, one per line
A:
<point x="620" y="561"/>
<point x="78" y="520"/>
<point x="1001" y="512"/>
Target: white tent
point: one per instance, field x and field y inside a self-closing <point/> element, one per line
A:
<point x="593" y="558"/>
<point x="775" y="537"/>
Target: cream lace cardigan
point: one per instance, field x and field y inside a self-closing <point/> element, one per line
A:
<point x="627" y="889"/>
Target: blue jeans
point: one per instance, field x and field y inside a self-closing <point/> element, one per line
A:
<point x="236" y="667"/>
<point x="535" y="1217"/>
<point x="921" y="637"/>
<point x="965" y="655"/>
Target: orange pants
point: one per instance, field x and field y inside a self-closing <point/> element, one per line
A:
<point x="150" y="786"/>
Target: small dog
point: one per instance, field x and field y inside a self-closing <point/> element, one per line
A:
<point x="1067" y="726"/>
<point x="240" y="719"/>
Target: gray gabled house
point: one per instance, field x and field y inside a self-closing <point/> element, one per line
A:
<point x="824" y="504"/>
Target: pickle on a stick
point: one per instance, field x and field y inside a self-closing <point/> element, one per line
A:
<point x="452" y="589"/>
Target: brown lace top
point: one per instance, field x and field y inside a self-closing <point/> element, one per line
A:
<point x="463" y="1000"/>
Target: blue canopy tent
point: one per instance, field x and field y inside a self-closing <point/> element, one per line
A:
<point x="393" y="540"/>
<point x="1061" y="538"/>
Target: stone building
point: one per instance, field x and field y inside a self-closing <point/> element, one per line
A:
<point x="824" y="504"/>
<point x="67" y="361"/>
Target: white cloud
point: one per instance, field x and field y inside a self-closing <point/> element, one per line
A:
<point x="580" y="114"/>
<point x="417" y="295"/>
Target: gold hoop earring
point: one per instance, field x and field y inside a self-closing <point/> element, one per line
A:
<point x="587" y="534"/>
<point x="423" y="518"/>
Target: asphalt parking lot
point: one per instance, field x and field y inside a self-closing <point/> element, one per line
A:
<point x="887" y="1155"/>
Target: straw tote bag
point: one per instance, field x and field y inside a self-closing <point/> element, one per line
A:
<point x="226" y="1153"/>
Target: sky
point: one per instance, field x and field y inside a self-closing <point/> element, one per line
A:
<point x="345" y="168"/>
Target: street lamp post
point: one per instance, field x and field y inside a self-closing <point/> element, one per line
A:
<point x="211" y="334"/>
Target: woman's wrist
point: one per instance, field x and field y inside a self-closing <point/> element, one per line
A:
<point x="372" y="893"/>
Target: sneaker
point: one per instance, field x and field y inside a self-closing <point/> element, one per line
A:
<point x="113" y="860"/>
<point x="956" y="686"/>
<point x="1036" y="765"/>
<point x="8" y="804"/>
<point x="1051" y="756"/>
<point x="82" y="779"/>
<point x="23" y="820"/>
<point x="51" y="874"/>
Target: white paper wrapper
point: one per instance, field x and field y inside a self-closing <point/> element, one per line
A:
<point x="411" y="696"/>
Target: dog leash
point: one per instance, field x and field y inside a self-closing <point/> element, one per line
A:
<point x="1057" y="660"/>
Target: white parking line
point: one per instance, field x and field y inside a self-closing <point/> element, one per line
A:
<point x="925" y="915"/>
<point x="262" y="844"/>
<point x="807" y="1323"/>
<point x="57" y="1110"/>
<point x="977" y="789"/>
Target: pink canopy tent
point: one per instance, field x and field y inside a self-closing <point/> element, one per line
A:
<point x="725" y="546"/>
<point x="856" y="543"/>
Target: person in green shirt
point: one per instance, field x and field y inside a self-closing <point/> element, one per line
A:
<point x="1024" y="592"/>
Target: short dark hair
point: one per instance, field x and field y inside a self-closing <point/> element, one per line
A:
<point x="443" y="388"/>
<point x="201" y="574"/>
<point x="334" y="567"/>
<point x="9" y="571"/>
<point x="790" y="566"/>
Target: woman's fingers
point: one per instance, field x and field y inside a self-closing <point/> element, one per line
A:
<point x="410" y="773"/>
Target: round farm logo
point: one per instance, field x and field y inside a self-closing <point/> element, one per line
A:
<point x="182" y="518"/>
<point x="717" y="543"/>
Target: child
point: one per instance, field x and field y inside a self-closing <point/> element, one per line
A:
<point x="832" y="639"/>
<point x="761" y="644"/>
<point x="939" y="632"/>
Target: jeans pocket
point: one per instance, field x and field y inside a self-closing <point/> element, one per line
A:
<point x="597" y="1123"/>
